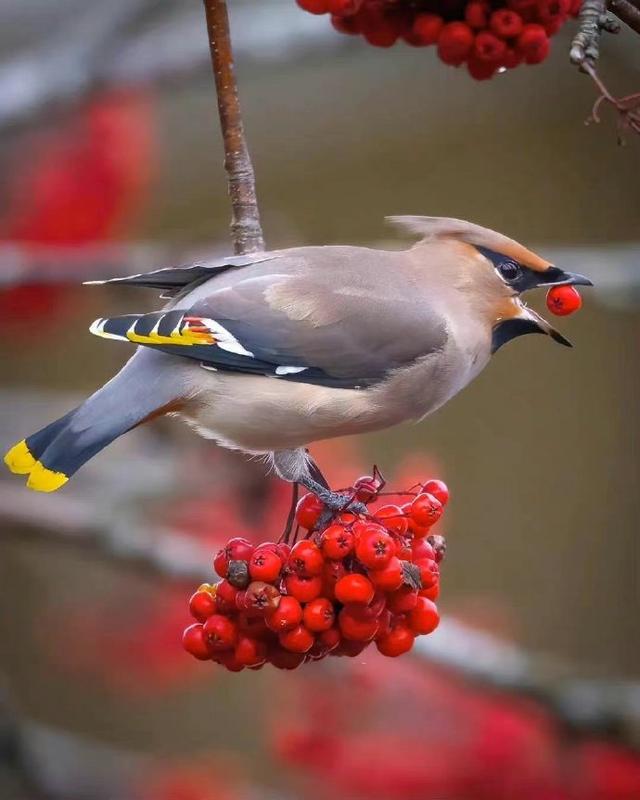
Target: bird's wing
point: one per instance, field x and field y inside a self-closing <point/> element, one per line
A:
<point x="173" y="280"/>
<point x="296" y="327"/>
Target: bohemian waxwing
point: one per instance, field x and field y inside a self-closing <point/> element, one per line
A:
<point x="271" y="351"/>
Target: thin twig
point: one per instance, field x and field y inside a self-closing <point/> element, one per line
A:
<point x="628" y="12"/>
<point x="246" y="230"/>
<point x="628" y="107"/>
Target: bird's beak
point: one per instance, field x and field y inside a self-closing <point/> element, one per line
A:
<point x="553" y="276"/>
<point x="534" y="319"/>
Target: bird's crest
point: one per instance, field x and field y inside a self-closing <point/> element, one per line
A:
<point x="450" y="228"/>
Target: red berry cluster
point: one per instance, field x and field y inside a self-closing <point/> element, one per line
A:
<point x="563" y="300"/>
<point x="355" y="579"/>
<point x="488" y="35"/>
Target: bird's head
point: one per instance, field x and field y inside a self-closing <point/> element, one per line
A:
<point x="494" y="271"/>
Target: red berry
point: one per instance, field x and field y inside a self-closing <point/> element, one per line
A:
<point x="284" y="659"/>
<point x="355" y="629"/>
<point x="238" y="549"/>
<point x="368" y="612"/>
<point x="261" y="598"/>
<point x="306" y="558"/>
<point x="378" y="28"/>
<point x="354" y="588"/>
<point x="343" y="8"/>
<point x="393" y="518"/>
<point x="330" y="638"/>
<point x="424" y="618"/>
<point x="482" y="70"/>
<point x="250" y="652"/>
<point x="422" y="549"/>
<point x="350" y="649"/>
<point x="337" y="542"/>
<point x="476" y="14"/>
<point x="488" y="47"/>
<point x="390" y="577"/>
<point x="384" y="623"/>
<point x="202" y="605"/>
<point x="438" y="489"/>
<point x="314" y="6"/>
<point x="228" y="660"/>
<point x="455" y="42"/>
<point x="221" y="564"/>
<point x="226" y="597"/>
<point x="303" y="588"/>
<point x="286" y="616"/>
<point x="403" y="547"/>
<point x="432" y="593"/>
<point x="426" y="28"/>
<point x="220" y="632"/>
<point x="415" y="530"/>
<point x="429" y="572"/>
<point x="297" y="640"/>
<point x="506" y="24"/>
<point x="510" y="60"/>
<point x="265" y="565"/>
<point x="194" y="641"/>
<point x="426" y="510"/>
<point x="284" y="551"/>
<point x="375" y="548"/>
<point x="308" y="511"/>
<point x="563" y="300"/>
<point x="252" y="626"/>
<point x="347" y="25"/>
<point x="366" y="488"/>
<point x="399" y="640"/>
<point x="533" y="43"/>
<point x="319" y="615"/>
<point x="402" y="600"/>
<point x="553" y="10"/>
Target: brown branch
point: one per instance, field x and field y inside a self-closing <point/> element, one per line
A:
<point x="626" y="11"/>
<point x="246" y="230"/>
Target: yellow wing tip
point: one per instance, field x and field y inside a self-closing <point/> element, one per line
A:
<point x="42" y="479"/>
<point x="19" y="459"/>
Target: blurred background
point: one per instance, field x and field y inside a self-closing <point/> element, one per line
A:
<point x="111" y="164"/>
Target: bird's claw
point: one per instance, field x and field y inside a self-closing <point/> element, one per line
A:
<point x="334" y="502"/>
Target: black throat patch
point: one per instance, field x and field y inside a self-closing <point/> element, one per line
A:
<point x="509" y="329"/>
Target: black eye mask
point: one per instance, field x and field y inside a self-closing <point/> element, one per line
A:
<point x="521" y="278"/>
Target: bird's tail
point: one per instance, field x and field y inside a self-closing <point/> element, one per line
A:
<point x="52" y="455"/>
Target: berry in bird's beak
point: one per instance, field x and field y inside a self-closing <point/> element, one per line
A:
<point x="563" y="300"/>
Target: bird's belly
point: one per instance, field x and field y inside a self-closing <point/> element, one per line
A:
<point x="260" y="414"/>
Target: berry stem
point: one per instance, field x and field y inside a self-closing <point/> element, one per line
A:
<point x="246" y="231"/>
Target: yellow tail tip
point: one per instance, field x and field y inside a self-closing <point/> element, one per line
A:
<point x="42" y="479"/>
<point x="19" y="459"/>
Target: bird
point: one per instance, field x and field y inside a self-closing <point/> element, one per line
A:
<point x="269" y="352"/>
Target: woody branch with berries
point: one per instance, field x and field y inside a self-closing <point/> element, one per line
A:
<point x="492" y="36"/>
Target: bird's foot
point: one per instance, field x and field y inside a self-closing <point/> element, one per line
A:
<point x="335" y="502"/>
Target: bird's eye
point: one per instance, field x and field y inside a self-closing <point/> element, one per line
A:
<point x="509" y="270"/>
